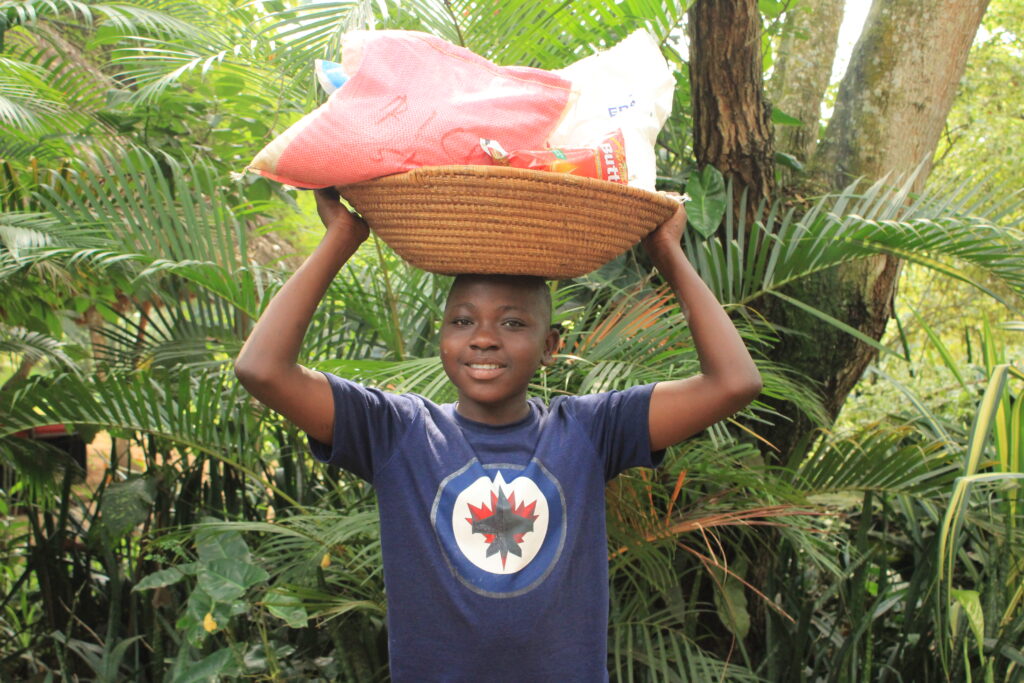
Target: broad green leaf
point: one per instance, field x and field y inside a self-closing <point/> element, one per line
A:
<point x="217" y="544"/>
<point x="788" y="160"/>
<point x="707" y="203"/>
<point x="227" y="580"/>
<point x="970" y="602"/>
<point x="124" y="506"/>
<point x="731" y="601"/>
<point x="781" y="118"/>
<point x="199" y="605"/>
<point x="166" y="577"/>
<point x="772" y="8"/>
<point x="288" y="607"/>
<point x="209" y="669"/>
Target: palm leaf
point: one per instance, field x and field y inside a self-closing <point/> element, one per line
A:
<point x="204" y="411"/>
<point x="879" y="459"/>
<point x="782" y="247"/>
<point x="35" y="347"/>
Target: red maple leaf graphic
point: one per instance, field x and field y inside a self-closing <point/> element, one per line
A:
<point x="495" y="523"/>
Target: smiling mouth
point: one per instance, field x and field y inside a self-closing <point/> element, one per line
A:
<point x="485" y="366"/>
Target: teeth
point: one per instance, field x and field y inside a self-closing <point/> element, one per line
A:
<point x="484" y="366"/>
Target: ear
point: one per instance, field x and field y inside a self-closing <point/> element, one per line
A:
<point x="551" y="343"/>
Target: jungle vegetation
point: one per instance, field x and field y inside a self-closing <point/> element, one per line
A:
<point x="861" y="521"/>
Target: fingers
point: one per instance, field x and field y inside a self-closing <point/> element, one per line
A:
<point x="676" y="221"/>
<point x="326" y="196"/>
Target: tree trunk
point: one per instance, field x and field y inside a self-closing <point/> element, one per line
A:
<point x="897" y="92"/>
<point x="802" y="71"/>
<point x="732" y="128"/>
<point x="890" y="112"/>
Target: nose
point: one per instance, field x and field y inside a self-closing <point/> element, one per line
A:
<point x="484" y="337"/>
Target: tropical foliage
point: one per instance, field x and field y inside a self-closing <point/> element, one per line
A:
<point x="134" y="258"/>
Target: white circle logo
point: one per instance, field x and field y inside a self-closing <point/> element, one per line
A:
<point x="500" y="526"/>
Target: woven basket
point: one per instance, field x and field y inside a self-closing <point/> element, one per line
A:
<point x="495" y="219"/>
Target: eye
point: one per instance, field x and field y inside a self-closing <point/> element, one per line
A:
<point x="461" y="322"/>
<point x="513" y="322"/>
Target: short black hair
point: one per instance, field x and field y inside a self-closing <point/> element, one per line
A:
<point x="531" y="283"/>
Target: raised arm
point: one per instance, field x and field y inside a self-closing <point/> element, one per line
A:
<point x="266" y="365"/>
<point x="728" y="379"/>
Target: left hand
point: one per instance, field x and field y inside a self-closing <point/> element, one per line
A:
<point x="668" y="235"/>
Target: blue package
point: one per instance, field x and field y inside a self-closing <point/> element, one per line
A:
<point x="330" y="74"/>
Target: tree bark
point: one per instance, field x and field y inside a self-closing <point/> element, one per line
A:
<point x="732" y="128"/>
<point x="899" y="87"/>
<point x="889" y="114"/>
<point x="802" y="72"/>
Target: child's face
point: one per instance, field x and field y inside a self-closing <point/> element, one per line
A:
<point x="496" y="333"/>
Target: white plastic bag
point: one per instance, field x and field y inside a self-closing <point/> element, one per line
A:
<point x="628" y="86"/>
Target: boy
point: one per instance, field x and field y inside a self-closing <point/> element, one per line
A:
<point x="492" y="508"/>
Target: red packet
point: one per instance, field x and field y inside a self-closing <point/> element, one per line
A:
<point x="604" y="161"/>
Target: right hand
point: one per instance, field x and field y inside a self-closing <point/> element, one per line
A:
<point x="335" y="216"/>
<point x="667" y="236"/>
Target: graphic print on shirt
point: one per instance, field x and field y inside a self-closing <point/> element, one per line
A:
<point x="496" y="521"/>
<point x="501" y="527"/>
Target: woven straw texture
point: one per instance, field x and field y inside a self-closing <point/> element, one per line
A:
<point x="494" y="219"/>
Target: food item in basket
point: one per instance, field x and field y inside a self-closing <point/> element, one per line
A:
<point x="605" y="161"/>
<point x="628" y="86"/>
<point x="331" y="75"/>
<point x="412" y="100"/>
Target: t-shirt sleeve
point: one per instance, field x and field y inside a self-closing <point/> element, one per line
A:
<point x="367" y="425"/>
<point x="617" y="422"/>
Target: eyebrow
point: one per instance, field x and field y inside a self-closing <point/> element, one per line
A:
<point x="502" y="309"/>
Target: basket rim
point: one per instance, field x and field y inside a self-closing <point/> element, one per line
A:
<point x="574" y="225"/>
<point x="425" y="173"/>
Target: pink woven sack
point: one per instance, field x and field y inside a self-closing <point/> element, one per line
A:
<point x="414" y="100"/>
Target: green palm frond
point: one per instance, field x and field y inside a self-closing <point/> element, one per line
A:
<point x="167" y="18"/>
<point x="156" y="66"/>
<point x="151" y="205"/>
<point x="25" y="13"/>
<point x="782" y="247"/>
<point x="35" y="346"/>
<point x="392" y="309"/>
<point x="547" y="36"/>
<point x="647" y="643"/>
<point x="883" y="459"/>
<point x="423" y="376"/>
<point x="268" y="54"/>
<point x="146" y="217"/>
<point x="185" y="330"/>
<point x="782" y="383"/>
<point x="26" y="99"/>
<point x="69" y="95"/>
<point x="314" y="30"/>
<point x="204" y="410"/>
<point x="161" y="15"/>
<point x="20" y="231"/>
<point x="154" y="206"/>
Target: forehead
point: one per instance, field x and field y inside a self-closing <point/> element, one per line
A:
<point x="529" y="294"/>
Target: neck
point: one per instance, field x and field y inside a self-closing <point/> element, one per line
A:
<point x="512" y="411"/>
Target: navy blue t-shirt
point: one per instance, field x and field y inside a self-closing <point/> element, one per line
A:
<point x="493" y="538"/>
